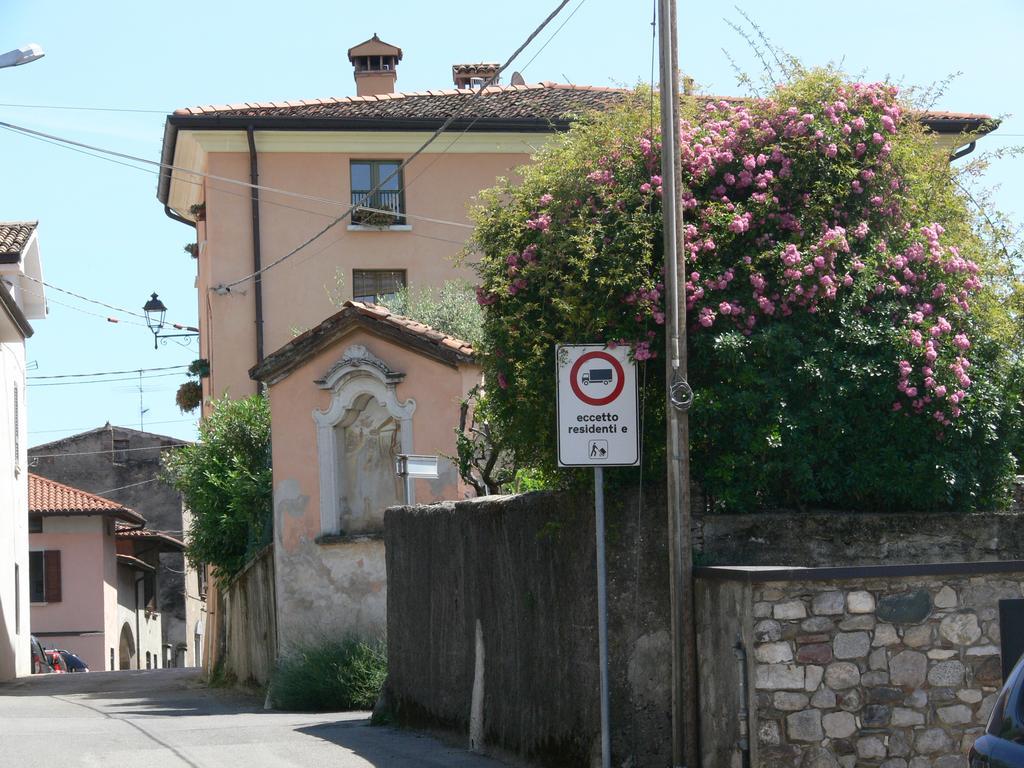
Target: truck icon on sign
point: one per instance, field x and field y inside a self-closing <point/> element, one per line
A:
<point x="597" y="376"/>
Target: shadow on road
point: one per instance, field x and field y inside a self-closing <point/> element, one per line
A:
<point x="393" y="747"/>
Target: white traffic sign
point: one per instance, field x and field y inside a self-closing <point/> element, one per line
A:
<point x="598" y="424"/>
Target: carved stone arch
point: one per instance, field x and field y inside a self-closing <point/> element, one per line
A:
<point x="358" y="374"/>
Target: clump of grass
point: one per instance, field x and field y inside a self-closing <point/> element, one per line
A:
<point x="331" y="675"/>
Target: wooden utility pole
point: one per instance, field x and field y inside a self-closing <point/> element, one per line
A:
<point x="679" y="396"/>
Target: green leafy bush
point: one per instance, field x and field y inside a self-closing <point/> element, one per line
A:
<point x="451" y="309"/>
<point x="845" y="343"/>
<point x="225" y="481"/>
<point x="334" y="675"/>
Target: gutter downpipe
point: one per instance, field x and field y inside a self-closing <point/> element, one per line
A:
<point x="963" y="152"/>
<point x="173" y="214"/>
<point x="254" y="179"/>
<point x="743" y="714"/>
<point x="138" y="625"/>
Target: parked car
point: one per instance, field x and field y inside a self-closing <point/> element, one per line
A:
<point x="40" y="663"/>
<point x="73" y="662"/>
<point x="56" y="662"/>
<point x="1002" y="744"/>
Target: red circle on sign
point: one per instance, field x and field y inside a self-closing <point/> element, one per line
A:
<point x="616" y="390"/>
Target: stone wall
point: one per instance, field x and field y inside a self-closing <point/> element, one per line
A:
<point x="878" y="666"/>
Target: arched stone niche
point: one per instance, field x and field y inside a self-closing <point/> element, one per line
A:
<point x="358" y="435"/>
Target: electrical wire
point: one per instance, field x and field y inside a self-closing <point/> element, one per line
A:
<point x="91" y="428"/>
<point x="266" y="201"/>
<point x="82" y="148"/>
<point x="102" y="381"/>
<point x="106" y="451"/>
<point x="50" y="300"/>
<point x="86" y="109"/>
<point x="553" y="36"/>
<point x="106" y="373"/>
<point x="123" y="487"/>
<point x="179" y="326"/>
<point x="433" y="137"/>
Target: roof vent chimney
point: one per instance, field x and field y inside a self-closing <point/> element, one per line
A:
<point x="375" y="65"/>
<point x="474" y="76"/>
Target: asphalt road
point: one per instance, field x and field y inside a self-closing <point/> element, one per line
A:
<point x="166" y="718"/>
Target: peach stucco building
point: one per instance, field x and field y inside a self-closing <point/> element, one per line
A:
<point x="348" y="397"/>
<point x="378" y="374"/>
<point x="92" y="577"/>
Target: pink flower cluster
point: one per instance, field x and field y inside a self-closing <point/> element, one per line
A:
<point x="788" y="209"/>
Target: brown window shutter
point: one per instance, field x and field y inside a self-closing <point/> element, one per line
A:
<point x="51" y="580"/>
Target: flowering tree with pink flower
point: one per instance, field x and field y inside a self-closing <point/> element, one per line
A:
<point x="832" y="273"/>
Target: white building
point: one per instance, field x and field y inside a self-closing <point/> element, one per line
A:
<point x="21" y="299"/>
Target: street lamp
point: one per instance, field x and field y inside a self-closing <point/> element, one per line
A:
<point x="22" y="55"/>
<point x="155" y="314"/>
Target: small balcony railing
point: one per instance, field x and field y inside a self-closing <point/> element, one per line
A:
<point x="383" y="208"/>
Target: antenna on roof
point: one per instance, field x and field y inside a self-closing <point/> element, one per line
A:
<point x="518" y="79"/>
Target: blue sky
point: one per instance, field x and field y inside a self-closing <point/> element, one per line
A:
<point x="103" y="234"/>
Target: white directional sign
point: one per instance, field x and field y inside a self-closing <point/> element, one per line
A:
<point x="597" y="406"/>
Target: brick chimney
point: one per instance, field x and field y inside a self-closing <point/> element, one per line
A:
<point x="375" y="65"/>
<point x="473" y="75"/>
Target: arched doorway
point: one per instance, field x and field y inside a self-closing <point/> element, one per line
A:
<point x="126" y="656"/>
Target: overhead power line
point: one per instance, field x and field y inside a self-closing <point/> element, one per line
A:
<point x="99" y="453"/>
<point x="91" y="150"/>
<point x="101" y="381"/>
<point x="92" y="428"/>
<point x="86" y="109"/>
<point x="179" y="326"/>
<point x="106" y="373"/>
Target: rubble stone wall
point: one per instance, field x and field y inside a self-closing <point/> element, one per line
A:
<point x="891" y="671"/>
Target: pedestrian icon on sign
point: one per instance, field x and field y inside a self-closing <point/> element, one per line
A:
<point x="599" y="449"/>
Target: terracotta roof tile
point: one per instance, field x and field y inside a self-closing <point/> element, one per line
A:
<point x="531" y="103"/>
<point x="546" y="101"/>
<point x="47" y="496"/>
<point x="144" y="534"/>
<point x="401" y="330"/>
<point x="14" y="235"/>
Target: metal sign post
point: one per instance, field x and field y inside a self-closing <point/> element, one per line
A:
<point x="598" y="426"/>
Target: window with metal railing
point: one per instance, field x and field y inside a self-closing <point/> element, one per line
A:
<point x="386" y="206"/>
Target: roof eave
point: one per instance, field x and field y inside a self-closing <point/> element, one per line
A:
<point x="276" y="123"/>
<point x="973" y="126"/>
<point x="126" y="515"/>
<point x="280" y="363"/>
<point x="170" y="143"/>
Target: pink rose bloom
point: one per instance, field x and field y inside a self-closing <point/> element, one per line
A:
<point x="546" y="198"/>
<point x="541" y="223"/>
<point x="725" y="308"/>
<point x="831" y="151"/>
<point x="707" y="317"/>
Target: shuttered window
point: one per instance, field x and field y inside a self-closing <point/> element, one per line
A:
<point x="44" y="576"/>
<point x="370" y="284"/>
